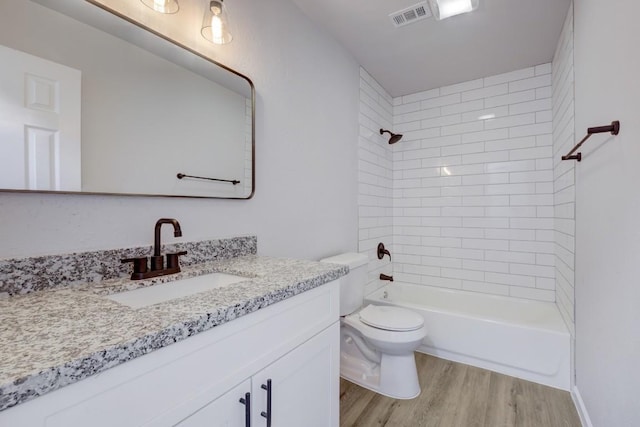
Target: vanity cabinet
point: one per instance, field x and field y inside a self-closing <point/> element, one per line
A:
<point x="292" y="345"/>
<point x="301" y="385"/>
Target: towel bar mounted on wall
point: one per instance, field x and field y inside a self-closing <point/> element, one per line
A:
<point x="614" y="128"/>
<point x="232" y="181"/>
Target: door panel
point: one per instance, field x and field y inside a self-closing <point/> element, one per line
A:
<point x="39" y="123"/>
<point x="305" y="385"/>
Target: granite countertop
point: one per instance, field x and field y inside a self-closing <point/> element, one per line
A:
<point x="52" y="338"/>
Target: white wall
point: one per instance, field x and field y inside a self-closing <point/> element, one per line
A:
<point x="564" y="173"/>
<point x="607" y="66"/>
<point x="473" y="195"/>
<point x="375" y="178"/>
<point x="306" y="141"/>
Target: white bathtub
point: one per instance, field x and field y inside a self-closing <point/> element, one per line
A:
<point x="522" y="338"/>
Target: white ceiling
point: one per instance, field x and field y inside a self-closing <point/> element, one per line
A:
<point x="500" y="36"/>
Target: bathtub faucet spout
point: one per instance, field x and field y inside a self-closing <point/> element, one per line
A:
<point x="385" y="277"/>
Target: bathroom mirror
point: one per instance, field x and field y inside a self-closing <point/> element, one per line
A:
<point x="93" y="102"/>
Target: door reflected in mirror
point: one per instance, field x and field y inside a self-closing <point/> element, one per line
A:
<point x="125" y="111"/>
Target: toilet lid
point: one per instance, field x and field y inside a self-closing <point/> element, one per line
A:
<point x="391" y="318"/>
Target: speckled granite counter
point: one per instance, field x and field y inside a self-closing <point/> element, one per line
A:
<point x="52" y="338"/>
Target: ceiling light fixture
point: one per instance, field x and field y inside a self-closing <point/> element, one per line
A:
<point x="215" y="23"/>
<point x="446" y="8"/>
<point x="162" y="6"/>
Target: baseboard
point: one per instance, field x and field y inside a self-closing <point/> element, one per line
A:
<point x="582" y="410"/>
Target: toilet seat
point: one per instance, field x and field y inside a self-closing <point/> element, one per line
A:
<point x="390" y="318"/>
<point x="373" y="334"/>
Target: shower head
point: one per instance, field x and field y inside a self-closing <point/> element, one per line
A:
<point x="395" y="137"/>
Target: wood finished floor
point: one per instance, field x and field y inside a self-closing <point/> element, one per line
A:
<point x="457" y="395"/>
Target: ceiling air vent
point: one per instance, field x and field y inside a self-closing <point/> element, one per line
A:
<point x="411" y="14"/>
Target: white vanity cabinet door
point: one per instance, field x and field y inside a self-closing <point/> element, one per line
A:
<point x="305" y="385"/>
<point x="225" y="411"/>
<point x="304" y="390"/>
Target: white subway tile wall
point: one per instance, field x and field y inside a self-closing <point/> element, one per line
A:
<point x="473" y="186"/>
<point x="375" y="176"/>
<point x="475" y="196"/>
<point x="564" y="172"/>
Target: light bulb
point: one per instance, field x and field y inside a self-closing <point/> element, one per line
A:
<point x="216" y="29"/>
<point x="159" y="5"/>
<point x="215" y="23"/>
<point x="162" y="6"/>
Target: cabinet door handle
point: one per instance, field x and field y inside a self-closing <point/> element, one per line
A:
<point x="246" y="401"/>
<point x="267" y="414"/>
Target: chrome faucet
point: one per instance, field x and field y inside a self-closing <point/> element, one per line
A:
<point x="158" y="268"/>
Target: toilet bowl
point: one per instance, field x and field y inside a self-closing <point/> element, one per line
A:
<point x="390" y="333"/>
<point x="377" y="342"/>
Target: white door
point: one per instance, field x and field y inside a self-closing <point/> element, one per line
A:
<point x="305" y="385"/>
<point x="225" y="411"/>
<point x="39" y="123"/>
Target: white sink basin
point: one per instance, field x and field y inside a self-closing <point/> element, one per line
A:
<point x="163" y="292"/>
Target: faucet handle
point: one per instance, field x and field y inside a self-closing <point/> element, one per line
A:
<point x="382" y="251"/>
<point x="173" y="261"/>
<point x="139" y="264"/>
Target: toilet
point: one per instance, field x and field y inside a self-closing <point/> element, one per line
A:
<point x="377" y="342"/>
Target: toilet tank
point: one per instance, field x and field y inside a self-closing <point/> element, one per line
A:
<point x="351" y="285"/>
